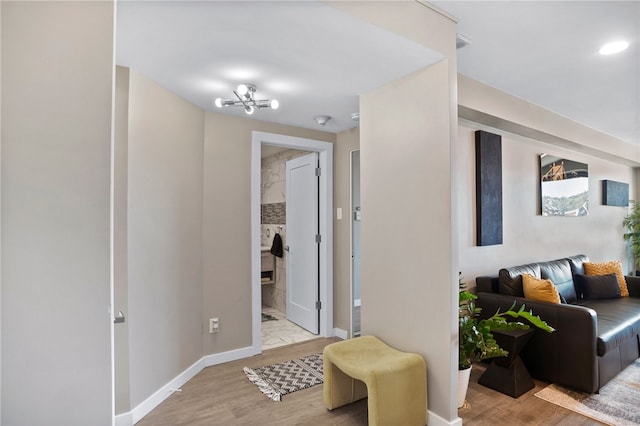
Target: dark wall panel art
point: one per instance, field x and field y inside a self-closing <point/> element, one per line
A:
<point x="615" y="193"/>
<point x="488" y="188"/>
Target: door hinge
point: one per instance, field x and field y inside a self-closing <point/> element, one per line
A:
<point x="318" y="305"/>
<point x="318" y="238"/>
<point x="318" y="172"/>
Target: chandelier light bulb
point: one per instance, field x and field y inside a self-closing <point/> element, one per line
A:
<point x="218" y="102"/>
<point x="274" y="104"/>
<point x="243" y="89"/>
<point x="248" y="110"/>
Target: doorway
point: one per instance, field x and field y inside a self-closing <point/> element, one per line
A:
<point x="289" y="256"/>
<point x="324" y="152"/>
<point x="356" y="298"/>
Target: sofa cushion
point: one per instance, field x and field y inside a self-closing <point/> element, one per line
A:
<point x="539" y="289"/>
<point x="617" y="321"/>
<point x="577" y="263"/>
<point x="510" y="279"/>
<point x="605" y="268"/>
<point x="597" y="286"/>
<point x="559" y="272"/>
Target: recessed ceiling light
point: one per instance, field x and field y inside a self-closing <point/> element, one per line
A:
<point x="613" y="47"/>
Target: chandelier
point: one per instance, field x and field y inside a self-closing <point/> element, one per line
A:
<point x="245" y="94"/>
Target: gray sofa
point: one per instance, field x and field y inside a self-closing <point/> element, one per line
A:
<point x="595" y="338"/>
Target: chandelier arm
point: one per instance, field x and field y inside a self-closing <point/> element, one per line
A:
<point x="247" y="101"/>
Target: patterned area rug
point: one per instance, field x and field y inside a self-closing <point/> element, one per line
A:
<point x="280" y="379"/>
<point x="618" y="402"/>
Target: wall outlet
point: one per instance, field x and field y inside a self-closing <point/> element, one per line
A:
<point x="214" y="325"/>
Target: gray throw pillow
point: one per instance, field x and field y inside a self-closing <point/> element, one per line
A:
<point x="598" y="286"/>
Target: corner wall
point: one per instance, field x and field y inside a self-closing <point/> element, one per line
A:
<point x="409" y="291"/>
<point x="165" y="184"/>
<point x="227" y="224"/>
<point x="57" y="74"/>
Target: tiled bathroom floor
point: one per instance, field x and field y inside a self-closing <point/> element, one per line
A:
<point x="281" y="332"/>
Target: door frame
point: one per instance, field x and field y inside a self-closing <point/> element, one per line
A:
<point x="325" y="154"/>
<point x="352" y="282"/>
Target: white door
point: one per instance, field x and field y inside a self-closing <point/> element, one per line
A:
<point x="301" y="245"/>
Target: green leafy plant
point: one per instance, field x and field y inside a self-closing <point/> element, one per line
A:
<point x="475" y="338"/>
<point x="631" y="223"/>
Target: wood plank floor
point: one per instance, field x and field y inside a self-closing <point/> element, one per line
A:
<point x="489" y="407"/>
<point x="221" y="395"/>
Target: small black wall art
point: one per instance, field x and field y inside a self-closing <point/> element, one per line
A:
<point x="488" y="188"/>
<point x="615" y="193"/>
<point x="564" y="186"/>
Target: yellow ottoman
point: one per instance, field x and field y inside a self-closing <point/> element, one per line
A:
<point x="396" y="381"/>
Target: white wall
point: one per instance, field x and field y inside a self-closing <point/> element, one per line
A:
<point x="528" y="236"/>
<point x="0" y="217"/>
<point x="406" y="224"/>
<point x="57" y="75"/>
<point x="227" y="224"/>
<point x="188" y="244"/>
<point x="165" y="178"/>
<point x="407" y="158"/>
<point x="120" y="250"/>
<point x="527" y="131"/>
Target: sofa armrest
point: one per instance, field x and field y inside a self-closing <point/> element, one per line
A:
<point x="487" y="284"/>
<point x="633" y="284"/>
<point x="568" y="355"/>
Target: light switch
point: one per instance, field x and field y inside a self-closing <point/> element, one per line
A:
<point x="339" y="213"/>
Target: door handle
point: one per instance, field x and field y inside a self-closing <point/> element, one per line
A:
<point x="119" y="319"/>
<point x="286" y="248"/>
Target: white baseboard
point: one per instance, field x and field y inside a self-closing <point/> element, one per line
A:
<point x="135" y="415"/>
<point x="435" y="420"/>
<point x="123" y="419"/>
<point x="165" y="391"/>
<point x="233" y="355"/>
<point x="338" y="332"/>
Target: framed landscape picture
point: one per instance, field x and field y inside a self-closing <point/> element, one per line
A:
<point x="564" y="187"/>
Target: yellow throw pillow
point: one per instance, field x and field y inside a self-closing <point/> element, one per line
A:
<point x="537" y="289"/>
<point x="606" y="268"/>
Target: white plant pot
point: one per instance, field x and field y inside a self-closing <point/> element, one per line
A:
<point x="463" y="385"/>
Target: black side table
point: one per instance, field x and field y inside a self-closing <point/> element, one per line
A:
<point x="508" y="374"/>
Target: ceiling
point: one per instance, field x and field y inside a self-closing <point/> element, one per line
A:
<point x="317" y="60"/>
<point x="547" y="53"/>
<point x="312" y="58"/>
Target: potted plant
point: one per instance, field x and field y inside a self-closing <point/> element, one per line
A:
<point x="631" y="224"/>
<point x="476" y="343"/>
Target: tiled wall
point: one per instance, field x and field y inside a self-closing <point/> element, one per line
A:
<point x="273" y="214"/>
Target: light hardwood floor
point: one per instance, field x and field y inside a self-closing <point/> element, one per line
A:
<point x="221" y="395"/>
